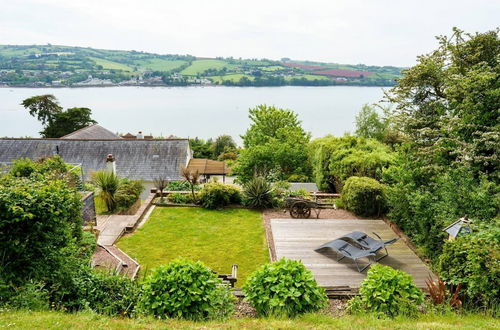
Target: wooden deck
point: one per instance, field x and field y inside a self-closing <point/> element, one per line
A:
<point x="296" y="239"/>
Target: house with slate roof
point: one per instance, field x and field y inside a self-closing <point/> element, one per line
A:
<point x="137" y="159"/>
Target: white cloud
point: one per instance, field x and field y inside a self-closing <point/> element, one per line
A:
<point x="383" y="32"/>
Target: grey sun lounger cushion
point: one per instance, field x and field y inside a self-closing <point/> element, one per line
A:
<point x="345" y="249"/>
<point x="369" y="243"/>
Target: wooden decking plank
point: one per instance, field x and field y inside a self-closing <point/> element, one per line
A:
<point x="297" y="239"/>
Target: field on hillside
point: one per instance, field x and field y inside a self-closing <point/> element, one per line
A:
<point x="200" y="66"/>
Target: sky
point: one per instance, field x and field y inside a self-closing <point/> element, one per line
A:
<point x="373" y="32"/>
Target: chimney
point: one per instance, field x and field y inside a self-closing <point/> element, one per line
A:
<point x="140" y="136"/>
<point x="110" y="164"/>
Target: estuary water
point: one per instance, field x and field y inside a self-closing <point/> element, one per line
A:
<point x="192" y="111"/>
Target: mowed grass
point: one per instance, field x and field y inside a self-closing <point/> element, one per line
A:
<point x="60" y="320"/>
<point x="217" y="238"/>
<point x="235" y="77"/>
<point x="198" y="66"/>
<point x="110" y="65"/>
<point x="159" y="64"/>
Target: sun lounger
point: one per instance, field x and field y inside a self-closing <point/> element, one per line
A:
<point x="369" y="243"/>
<point x="345" y="249"/>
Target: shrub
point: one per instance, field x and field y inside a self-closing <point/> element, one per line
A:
<point x="128" y="193"/>
<point x="216" y="195"/>
<point x="179" y="198"/>
<point x="387" y="291"/>
<point x="22" y="167"/>
<point x="31" y="296"/>
<point x="335" y="159"/>
<point x="39" y="224"/>
<point x="301" y="192"/>
<point x="185" y="289"/>
<point x="284" y="288"/>
<point x="258" y="193"/>
<point x="363" y="196"/>
<point x="107" y="184"/>
<point x="474" y="262"/>
<point x="180" y="186"/>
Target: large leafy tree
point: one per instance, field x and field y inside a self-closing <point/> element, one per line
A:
<point x="275" y="145"/>
<point x="223" y="143"/>
<point x="448" y="104"/>
<point x="57" y="122"/>
<point x="447" y="107"/>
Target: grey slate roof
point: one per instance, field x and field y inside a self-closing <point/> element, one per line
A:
<point x="92" y="132"/>
<point x="135" y="159"/>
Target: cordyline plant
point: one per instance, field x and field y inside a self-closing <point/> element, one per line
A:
<point x="192" y="177"/>
<point x="107" y="184"/>
<point x="161" y="183"/>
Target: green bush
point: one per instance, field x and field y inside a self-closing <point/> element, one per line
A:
<point x="474" y="262"/>
<point x="23" y="167"/>
<point x="128" y="193"/>
<point x="179" y="198"/>
<point x="185" y="289"/>
<point x="284" y="288"/>
<point x="180" y="186"/>
<point x="335" y="159"/>
<point x="258" y="193"/>
<point x="363" y="196"/>
<point x="216" y="195"/>
<point x="31" y="296"/>
<point x="387" y="291"/>
<point x="40" y="223"/>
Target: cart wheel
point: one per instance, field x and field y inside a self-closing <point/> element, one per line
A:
<point x="300" y="210"/>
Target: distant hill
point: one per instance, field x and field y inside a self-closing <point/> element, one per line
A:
<point x="59" y="66"/>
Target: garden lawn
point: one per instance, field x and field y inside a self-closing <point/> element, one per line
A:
<point x="217" y="238"/>
<point x="59" y="320"/>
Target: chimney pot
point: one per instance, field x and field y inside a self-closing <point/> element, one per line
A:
<point x="140" y="136"/>
<point x="110" y="163"/>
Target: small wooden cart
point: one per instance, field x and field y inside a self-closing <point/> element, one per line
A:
<point x="300" y="208"/>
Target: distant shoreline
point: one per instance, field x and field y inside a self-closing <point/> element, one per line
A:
<point x="171" y="86"/>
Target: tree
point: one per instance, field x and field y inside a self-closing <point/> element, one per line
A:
<point x="201" y="148"/>
<point x="192" y="178"/>
<point x="44" y="107"/>
<point x="69" y="121"/>
<point x="57" y="122"/>
<point x="267" y="121"/>
<point x="276" y="146"/>
<point x="223" y="143"/>
<point x="369" y="124"/>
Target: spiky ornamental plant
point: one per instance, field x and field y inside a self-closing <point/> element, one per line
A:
<point x="192" y="177"/>
<point x="107" y="184"/>
<point x="258" y="193"/>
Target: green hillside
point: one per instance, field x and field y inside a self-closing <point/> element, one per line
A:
<point x="50" y="65"/>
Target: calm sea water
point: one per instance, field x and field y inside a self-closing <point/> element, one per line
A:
<point x="192" y="111"/>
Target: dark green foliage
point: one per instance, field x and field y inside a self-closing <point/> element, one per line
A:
<point x="275" y="146"/>
<point x="185" y="289"/>
<point x="128" y="193"/>
<point x="57" y="122"/>
<point x="474" y="261"/>
<point x="179" y="198"/>
<point x="223" y="144"/>
<point x="284" y="288"/>
<point x="201" y="148"/>
<point x="23" y="167"/>
<point x="334" y="160"/>
<point x="215" y="195"/>
<point x="258" y="193"/>
<point x="40" y="222"/>
<point x="100" y="292"/>
<point x="32" y="296"/>
<point x="68" y="121"/>
<point x="387" y="291"/>
<point x="423" y="204"/>
<point x="364" y="196"/>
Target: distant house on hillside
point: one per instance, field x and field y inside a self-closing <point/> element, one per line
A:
<point x="138" y="159"/>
